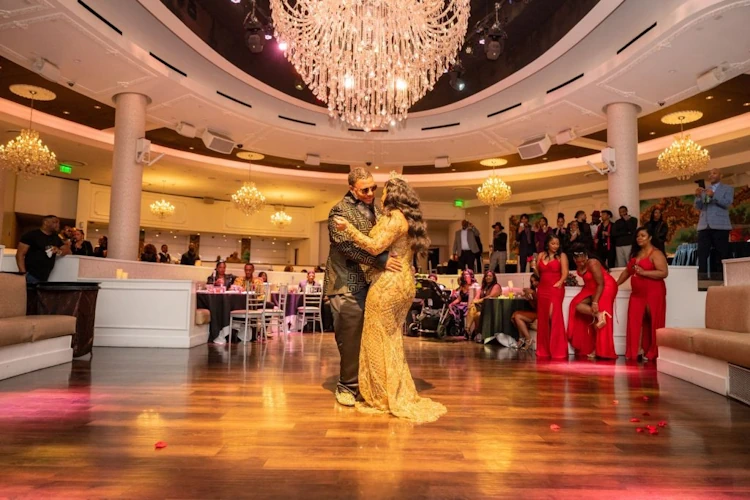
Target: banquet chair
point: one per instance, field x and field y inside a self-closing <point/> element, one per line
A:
<point x="310" y="310"/>
<point x="253" y="314"/>
<point x="278" y="313"/>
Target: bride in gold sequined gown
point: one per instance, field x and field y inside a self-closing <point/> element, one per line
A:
<point x="385" y="382"/>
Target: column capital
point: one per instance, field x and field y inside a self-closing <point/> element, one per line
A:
<point x="637" y="107"/>
<point x="117" y="96"/>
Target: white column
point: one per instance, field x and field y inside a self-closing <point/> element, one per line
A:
<point x="622" y="134"/>
<point x="3" y="174"/>
<point x="127" y="177"/>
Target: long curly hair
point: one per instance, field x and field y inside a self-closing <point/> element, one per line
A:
<point x="400" y="196"/>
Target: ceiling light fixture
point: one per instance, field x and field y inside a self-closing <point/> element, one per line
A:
<point x="26" y="154"/>
<point x="493" y="191"/>
<point x="280" y="218"/>
<point x="683" y="158"/>
<point x="456" y="72"/>
<point x="255" y="33"/>
<point x="162" y="208"/>
<point x="370" y="61"/>
<point x="248" y="199"/>
<point x="494" y="162"/>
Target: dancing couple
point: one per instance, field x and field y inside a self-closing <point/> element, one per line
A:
<point x="371" y="288"/>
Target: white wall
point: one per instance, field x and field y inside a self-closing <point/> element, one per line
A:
<point x="42" y="195"/>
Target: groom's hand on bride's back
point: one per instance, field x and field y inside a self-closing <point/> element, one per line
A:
<point x="393" y="265"/>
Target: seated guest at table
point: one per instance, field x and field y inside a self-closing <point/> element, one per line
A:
<point x="248" y="279"/>
<point x="101" y="249"/>
<point x="149" y="253"/>
<point x="80" y="246"/>
<point x="164" y="257"/>
<point x="460" y="304"/>
<point x="604" y="243"/>
<point x="288" y="269"/>
<point x="589" y="331"/>
<point x="234" y="258"/>
<point x="490" y="289"/>
<point x="263" y="277"/>
<point x="524" y="319"/>
<point x="220" y="277"/>
<point x="659" y="228"/>
<point x="647" y="308"/>
<point x="552" y="267"/>
<point x="309" y="282"/>
<point x="190" y="257"/>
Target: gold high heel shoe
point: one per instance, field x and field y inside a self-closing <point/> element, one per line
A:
<point x="602" y="319"/>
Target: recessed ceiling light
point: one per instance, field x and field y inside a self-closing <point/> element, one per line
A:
<point x="729" y="100"/>
<point x="453" y="170"/>
<point x="298" y="166"/>
<point x="97" y="107"/>
<point x="249" y="155"/>
<point x="494" y="162"/>
<point x="376" y="167"/>
<point x="652" y="133"/>
<point x="191" y="148"/>
<point x="709" y="97"/>
<point x="746" y="104"/>
<point x="66" y="112"/>
<point x="672" y="71"/>
<point x="299" y="86"/>
<point x="545" y="158"/>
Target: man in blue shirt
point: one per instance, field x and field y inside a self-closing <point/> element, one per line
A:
<point x="714" y="224"/>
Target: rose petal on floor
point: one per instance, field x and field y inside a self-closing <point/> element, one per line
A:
<point x="653" y="431"/>
<point x="160" y="444"/>
<point x="639" y="429"/>
<point x="646" y="398"/>
<point x="646" y="414"/>
<point x="554" y="427"/>
<point x="635" y="419"/>
<point x="663" y="423"/>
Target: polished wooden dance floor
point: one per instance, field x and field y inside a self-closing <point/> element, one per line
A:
<point x="261" y="422"/>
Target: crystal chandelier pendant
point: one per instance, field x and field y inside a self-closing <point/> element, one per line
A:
<point x="493" y="191"/>
<point x="162" y="208"/>
<point x="248" y="199"/>
<point x="281" y="219"/>
<point x="27" y="155"/>
<point x="684" y="157"/>
<point x="370" y="60"/>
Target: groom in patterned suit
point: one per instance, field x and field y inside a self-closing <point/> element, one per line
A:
<point x="346" y="283"/>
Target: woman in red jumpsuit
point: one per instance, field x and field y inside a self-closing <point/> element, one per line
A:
<point x="647" y="309"/>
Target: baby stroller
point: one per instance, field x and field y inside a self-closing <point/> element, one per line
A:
<point x="434" y="317"/>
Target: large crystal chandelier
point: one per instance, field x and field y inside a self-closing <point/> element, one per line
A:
<point x="493" y="191"/>
<point x="248" y="199"/>
<point x="684" y="157"/>
<point x="370" y="60"/>
<point x="26" y="154"/>
<point x="281" y="219"/>
<point x="162" y="208"/>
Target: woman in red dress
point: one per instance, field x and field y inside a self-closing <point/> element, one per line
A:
<point x="553" y="269"/>
<point x="647" y="309"/>
<point x="590" y="328"/>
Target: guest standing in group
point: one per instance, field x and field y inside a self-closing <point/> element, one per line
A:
<point x="624" y="233"/>
<point x="560" y="230"/>
<point x="714" y="223"/>
<point x="465" y="245"/>
<point x="526" y="243"/>
<point x="190" y="257"/>
<point x="499" y="248"/>
<point x="604" y="243"/>
<point x="101" y="249"/>
<point x="524" y="319"/>
<point x="490" y="288"/>
<point x="584" y="231"/>
<point x="220" y="277"/>
<point x="35" y="256"/>
<point x="552" y="267"/>
<point x="149" y="254"/>
<point x="164" y="256"/>
<point x="647" y="309"/>
<point x="589" y="331"/>
<point x="79" y="246"/>
<point x="596" y="220"/>
<point x="574" y="237"/>
<point x="477" y="256"/>
<point x="540" y="235"/>
<point x="659" y="228"/>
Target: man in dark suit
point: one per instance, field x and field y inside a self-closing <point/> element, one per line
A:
<point x="526" y="243"/>
<point x="346" y="283"/>
<point x="466" y="246"/>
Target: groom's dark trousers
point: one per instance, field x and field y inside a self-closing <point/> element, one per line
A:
<point x="348" y="318"/>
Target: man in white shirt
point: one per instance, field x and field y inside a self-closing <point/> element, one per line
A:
<point x="596" y="219"/>
<point x="465" y="245"/>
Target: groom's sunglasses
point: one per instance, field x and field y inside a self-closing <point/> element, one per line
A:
<point x="369" y="190"/>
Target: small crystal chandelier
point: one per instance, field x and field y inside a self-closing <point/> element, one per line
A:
<point x="370" y="60"/>
<point x="162" y="208"/>
<point x="248" y="199"/>
<point x="281" y="219"/>
<point x="26" y="154"/>
<point x="493" y="191"/>
<point x="684" y="157"/>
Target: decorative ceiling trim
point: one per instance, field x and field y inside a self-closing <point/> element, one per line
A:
<point x="34" y="6"/>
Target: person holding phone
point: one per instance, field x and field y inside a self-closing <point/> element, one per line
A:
<point x="714" y="223"/>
